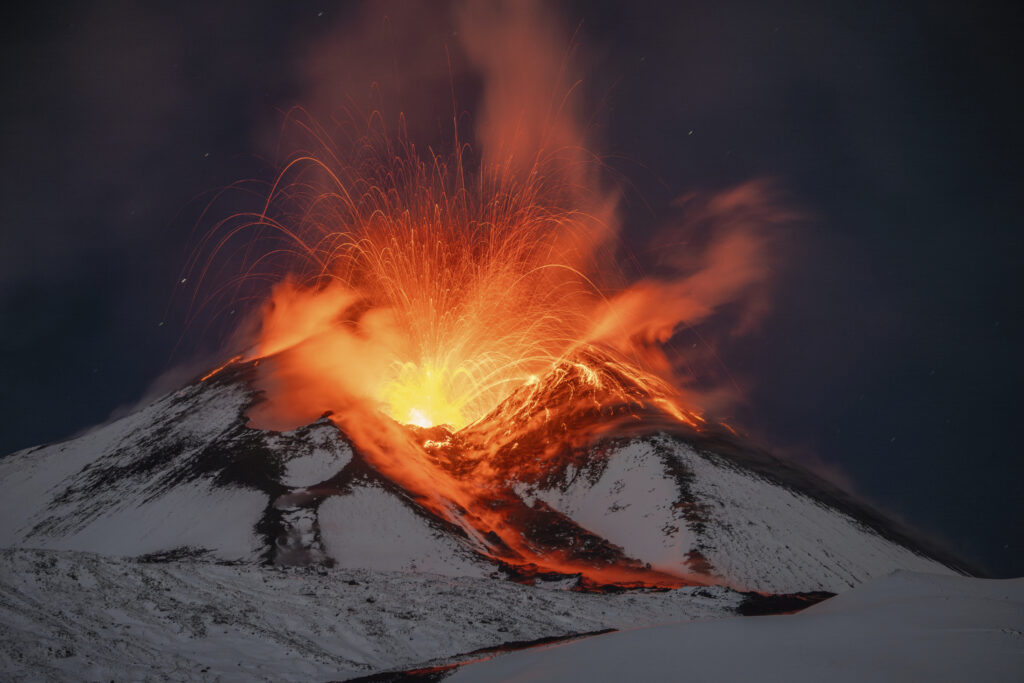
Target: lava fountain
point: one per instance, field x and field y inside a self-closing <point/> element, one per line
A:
<point x="461" y="316"/>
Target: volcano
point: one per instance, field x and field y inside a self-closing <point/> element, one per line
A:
<point x="479" y="366"/>
<point x="182" y="538"/>
<point x="598" y="489"/>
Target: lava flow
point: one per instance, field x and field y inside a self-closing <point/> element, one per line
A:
<point x="461" y="316"/>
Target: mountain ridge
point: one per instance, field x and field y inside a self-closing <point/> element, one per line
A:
<point x="189" y="471"/>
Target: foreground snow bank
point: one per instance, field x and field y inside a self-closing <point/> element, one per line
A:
<point x="72" y="616"/>
<point x="904" y="627"/>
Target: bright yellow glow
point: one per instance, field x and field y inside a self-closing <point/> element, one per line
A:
<point x="419" y="419"/>
<point x="424" y="395"/>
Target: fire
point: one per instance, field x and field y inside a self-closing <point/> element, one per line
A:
<point x="462" y="315"/>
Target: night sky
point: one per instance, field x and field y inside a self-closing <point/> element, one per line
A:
<point x="890" y="355"/>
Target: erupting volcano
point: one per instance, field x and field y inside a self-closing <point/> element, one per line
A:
<point x="439" y="316"/>
<point x="455" y="375"/>
<point x="465" y="317"/>
<point x="414" y="297"/>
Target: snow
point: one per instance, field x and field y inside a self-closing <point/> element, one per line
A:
<point x="905" y="627"/>
<point x="632" y="505"/>
<point x="313" y="454"/>
<point x="222" y="520"/>
<point x="55" y="497"/>
<point x="370" y="528"/>
<point x="43" y="501"/>
<point x="754" y="533"/>
<point x="68" y="616"/>
<point x="771" y="538"/>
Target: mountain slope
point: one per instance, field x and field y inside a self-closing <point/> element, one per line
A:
<point x="186" y="475"/>
<point x="684" y="509"/>
<point x="73" y="616"/>
<point x="905" y="627"/>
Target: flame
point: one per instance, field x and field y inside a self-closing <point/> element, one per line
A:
<point x="461" y="315"/>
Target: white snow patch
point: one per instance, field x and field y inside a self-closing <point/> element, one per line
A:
<point x="326" y="456"/>
<point x="906" y="627"/>
<point x="220" y="519"/>
<point x="767" y="537"/>
<point x="369" y="528"/>
<point x="755" y="533"/>
<point x="632" y="505"/>
<point x="33" y="478"/>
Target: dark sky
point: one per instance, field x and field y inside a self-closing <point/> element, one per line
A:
<point x="891" y="354"/>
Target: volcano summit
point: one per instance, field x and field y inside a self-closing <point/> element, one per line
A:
<point x="182" y="531"/>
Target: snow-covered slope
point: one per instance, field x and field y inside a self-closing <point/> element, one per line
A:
<point x="684" y="509"/>
<point x="69" y="616"/>
<point x="186" y="475"/>
<point x="370" y="529"/>
<point x="145" y="483"/>
<point x="180" y="542"/>
<point x="905" y="627"/>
